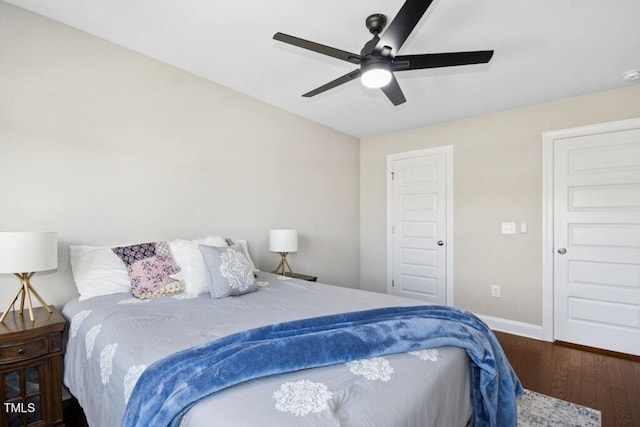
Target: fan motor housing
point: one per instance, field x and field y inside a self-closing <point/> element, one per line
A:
<point x="376" y="22"/>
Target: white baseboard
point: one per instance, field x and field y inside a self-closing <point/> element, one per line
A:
<point x="514" y="327"/>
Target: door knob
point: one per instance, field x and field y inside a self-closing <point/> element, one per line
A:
<point x="562" y="251"/>
<point x="440" y="243"/>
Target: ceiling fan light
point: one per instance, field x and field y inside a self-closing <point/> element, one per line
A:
<point x="376" y="78"/>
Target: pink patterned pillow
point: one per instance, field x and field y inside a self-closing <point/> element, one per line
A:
<point x="150" y="267"/>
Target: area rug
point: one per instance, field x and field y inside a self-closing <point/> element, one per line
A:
<point x="535" y="409"/>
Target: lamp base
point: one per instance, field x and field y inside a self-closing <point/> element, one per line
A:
<point x="283" y="263"/>
<point x="25" y="289"/>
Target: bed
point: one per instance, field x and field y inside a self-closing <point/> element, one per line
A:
<point x="114" y="338"/>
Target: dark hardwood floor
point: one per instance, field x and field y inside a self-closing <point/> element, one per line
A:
<point x="73" y="414"/>
<point x="609" y="384"/>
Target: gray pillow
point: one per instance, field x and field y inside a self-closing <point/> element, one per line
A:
<point x="229" y="271"/>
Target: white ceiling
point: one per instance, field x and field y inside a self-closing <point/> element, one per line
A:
<point x="544" y="50"/>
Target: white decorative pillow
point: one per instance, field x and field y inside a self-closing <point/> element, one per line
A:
<point x="194" y="273"/>
<point x="229" y="271"/>
<point x="98" y="271"/>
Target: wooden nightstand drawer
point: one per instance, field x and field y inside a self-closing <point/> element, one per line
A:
<point x="24" y="350"/>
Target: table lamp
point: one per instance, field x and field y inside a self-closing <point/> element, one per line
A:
<point x="22" y="254"/>
<point x="283" y="241"/>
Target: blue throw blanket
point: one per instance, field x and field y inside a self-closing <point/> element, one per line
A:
<point x="169" y="387"/>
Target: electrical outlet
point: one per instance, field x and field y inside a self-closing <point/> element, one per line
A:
<point x="495" y="291"/>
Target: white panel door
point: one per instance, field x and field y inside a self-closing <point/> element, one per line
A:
<point x="418" y="209"/>
<point x="597" y="240"/>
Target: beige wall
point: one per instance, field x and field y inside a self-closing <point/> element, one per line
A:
<point x="107" y="146"/>
<point x="497" y="178"/>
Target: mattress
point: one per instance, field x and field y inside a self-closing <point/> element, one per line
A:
<point x="113" y="338"/>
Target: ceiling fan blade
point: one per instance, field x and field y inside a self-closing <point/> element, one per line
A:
<point x="435" y="60"/>
<point x="393" y="92"/>
<point x="337" y="82"/>
<point x="319" y="48"/>
<point x="405" y="21"/>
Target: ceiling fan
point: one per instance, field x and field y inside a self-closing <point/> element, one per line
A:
<point x="378" y="58"/>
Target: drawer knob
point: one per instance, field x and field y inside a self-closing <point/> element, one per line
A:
<point x="21" y="351"/>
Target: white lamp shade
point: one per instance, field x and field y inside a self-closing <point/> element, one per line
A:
<point x="29" y="251"/>
<point x="283" y="241"/>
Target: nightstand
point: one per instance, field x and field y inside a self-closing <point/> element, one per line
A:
<point x="302" y="277"/>
<point x="31" y="369"/>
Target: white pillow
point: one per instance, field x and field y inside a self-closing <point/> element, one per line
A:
<point x="98" y="271"/>
<point x="193" y="271"/>
<point x="245" y="247"/>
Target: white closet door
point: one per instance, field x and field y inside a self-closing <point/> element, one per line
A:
<point x="418" y="209"/>
<point x="597" y="240"/>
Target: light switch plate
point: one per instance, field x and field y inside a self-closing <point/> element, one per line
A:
<point x="508" y="228"/>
